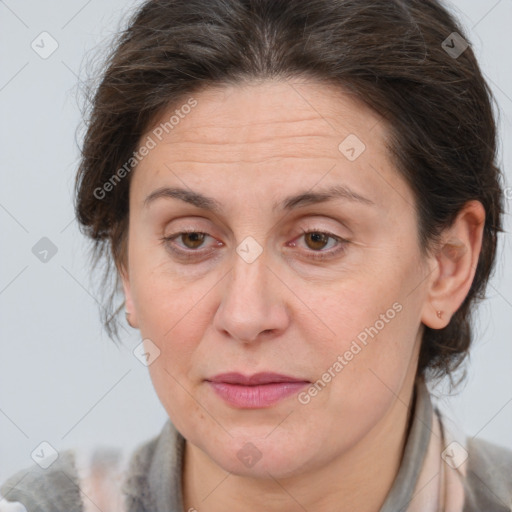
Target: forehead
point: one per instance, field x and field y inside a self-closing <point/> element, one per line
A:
<point x="268" y="136"/>
<point x="259" y="111"/>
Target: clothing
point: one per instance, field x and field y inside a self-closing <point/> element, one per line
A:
<point x="439" y="472"/>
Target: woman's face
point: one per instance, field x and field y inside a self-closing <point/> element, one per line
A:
<point x="303" y="261"/>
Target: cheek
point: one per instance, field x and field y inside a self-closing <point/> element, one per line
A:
<point x="357" y="310"/>
<point x="173" y="313"/>
<point x="162" y="299"/>
<point x="173" y="320"/>
<point x="173" y="317"/>
<point x="372" y="324"/>
<point x="362" y="370"/>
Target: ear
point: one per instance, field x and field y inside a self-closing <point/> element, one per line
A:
<point x="455" y="262"/>
<point x="129" y="305"/>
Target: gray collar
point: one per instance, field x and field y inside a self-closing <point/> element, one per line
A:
<point x="401" y="492"/>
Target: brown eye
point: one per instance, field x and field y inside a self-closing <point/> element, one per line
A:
<point x="189" y="245"/>
<point x="192" y="240"/>
<point x="316" y="241"/>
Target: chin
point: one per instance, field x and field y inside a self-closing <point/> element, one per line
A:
<point x="274" y="464"/>
<point x="260" y="455"/>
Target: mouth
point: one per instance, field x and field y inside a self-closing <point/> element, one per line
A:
<point x="255" y="391"/>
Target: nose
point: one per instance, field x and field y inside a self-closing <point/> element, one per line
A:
<point x="253" y="302"/>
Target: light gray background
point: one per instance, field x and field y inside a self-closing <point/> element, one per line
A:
<point x="61" y="379"/>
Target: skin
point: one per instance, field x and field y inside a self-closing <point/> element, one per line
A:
<point x="248" y="147"/>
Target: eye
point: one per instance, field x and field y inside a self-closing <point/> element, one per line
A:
<point x="317" y="240"/>
<point x="192" y="240"/>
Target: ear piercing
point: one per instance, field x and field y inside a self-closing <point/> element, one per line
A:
<point x="439" y="314"/>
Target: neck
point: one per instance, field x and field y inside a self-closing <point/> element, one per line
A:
<point x="359" y="479"/>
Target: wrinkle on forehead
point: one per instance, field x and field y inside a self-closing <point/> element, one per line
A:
<point x="294" y="108"/>
<point x="265" y="123"/>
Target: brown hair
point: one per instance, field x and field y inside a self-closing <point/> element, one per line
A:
<point x="394" y="55"/>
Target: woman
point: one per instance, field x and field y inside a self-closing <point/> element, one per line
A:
<point x="301" y="203"/>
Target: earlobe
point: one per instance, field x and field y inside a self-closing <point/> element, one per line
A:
<point x="131" y="316"/>
<point x="456" y="259"/>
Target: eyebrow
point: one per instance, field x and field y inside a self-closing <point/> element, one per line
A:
<point x="288" y="203"/>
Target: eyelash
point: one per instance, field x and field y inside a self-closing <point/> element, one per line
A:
<point x="315" y="255"/>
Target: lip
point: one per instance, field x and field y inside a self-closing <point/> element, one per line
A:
<point x="253" y="380"/>
<point x="255" y="391"/>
